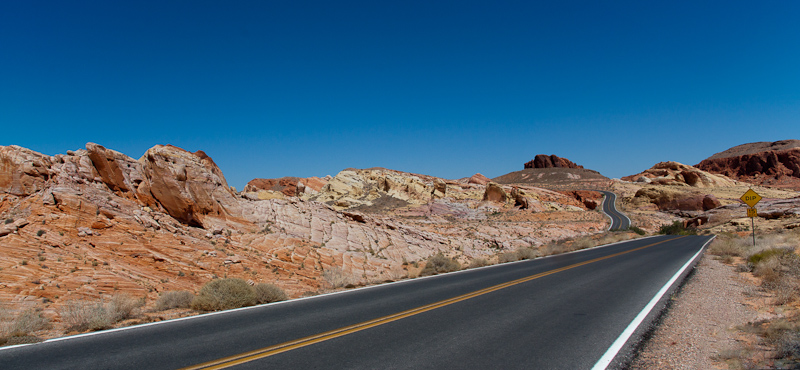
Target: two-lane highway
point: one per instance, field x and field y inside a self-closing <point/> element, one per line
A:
<point x="560" y="312"/>
<point x="618" y="220"/>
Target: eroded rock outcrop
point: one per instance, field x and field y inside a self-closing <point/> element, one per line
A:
<point x="23" y="171"/>
<point x="289" y="186"/>
<point x="773" y="164"/>
<point x="679" y="174"/>
<point x="550" y="161"/>
<point x="189" y="186"/>
<point x="671" y="200"/>
<point x="495" y="193"/>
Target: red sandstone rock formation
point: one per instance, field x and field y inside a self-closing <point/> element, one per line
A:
<point x="289" y="186"/>
<point x="772" y="164"/>
<point x="545" y="161"/>
<point x="478" y="179"/>
<point x="679" y="174"/>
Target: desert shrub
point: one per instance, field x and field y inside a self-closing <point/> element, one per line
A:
<point x="438" y="264"/>
<point x="28" y="321"/>
<point x="266" y="293"/>
<point x="224" y="294"/>
<point x="637" y="230"/>
<point x="527" y="253"/>
<point x="765" y="254"/>
<point x="507" y="257"/>
<point x="40" y="232"/>
<point x="84" y="315"/>
<point x="122" y="306"/>
<point x="174" y="299"/>
<point x="335" y="277"/>
<point x="9" y="220"/>
<point x="677" y="228"/>
<point x="479" y="262"/>
<point x="728" y="246"/>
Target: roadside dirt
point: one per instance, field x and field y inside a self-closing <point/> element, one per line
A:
<point x="700" y="326"/>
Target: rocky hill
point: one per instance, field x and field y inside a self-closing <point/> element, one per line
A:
<point x="551" y="171"/>
<point x="94" y="222"/>
<point x="775" y="164"/>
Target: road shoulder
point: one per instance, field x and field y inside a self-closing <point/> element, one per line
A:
<point x="700" y="322"/>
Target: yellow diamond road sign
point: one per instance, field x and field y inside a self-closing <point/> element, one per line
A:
<point x="751" y="198"/>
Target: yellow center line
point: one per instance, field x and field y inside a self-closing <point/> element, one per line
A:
<point x="321" y="337"/>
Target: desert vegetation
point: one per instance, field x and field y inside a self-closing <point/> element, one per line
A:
<point x="774" y="264"/>
<point x="82" y="315"/>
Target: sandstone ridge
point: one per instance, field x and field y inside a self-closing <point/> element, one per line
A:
<point x="774" y="164"/>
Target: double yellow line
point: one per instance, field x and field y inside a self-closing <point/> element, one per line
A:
<point x="321" y="337"/>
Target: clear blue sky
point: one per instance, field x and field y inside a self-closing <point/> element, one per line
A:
<point x="298" y="88"/>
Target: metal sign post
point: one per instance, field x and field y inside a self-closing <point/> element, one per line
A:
<point x="752" y="198"/>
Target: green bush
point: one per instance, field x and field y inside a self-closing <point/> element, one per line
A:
<point x="677" y="228"/>
<point x="267" y="293"/>
<point x="438" y="264"/>
<point x="174" y="299"/>
<point x="765" y="254"/>
<point x="224" y="294"/>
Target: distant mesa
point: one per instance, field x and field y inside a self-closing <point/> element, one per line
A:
<point x="550" y="161"/>
<point x="775" y="164"/>
<point x="552" y="170"/>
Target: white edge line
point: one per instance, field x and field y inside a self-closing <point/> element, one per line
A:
<point x="76" y="336"/>
<point x="612" y="351"/>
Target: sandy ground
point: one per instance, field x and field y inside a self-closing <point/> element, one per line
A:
<point x="701" y="321"/>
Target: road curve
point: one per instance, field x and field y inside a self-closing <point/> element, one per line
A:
<point x="618" y="220"/>
<point x="559" y="312"/>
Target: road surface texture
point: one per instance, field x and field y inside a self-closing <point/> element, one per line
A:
<point x="618" y="220"/>
<point x="559" y="312"/>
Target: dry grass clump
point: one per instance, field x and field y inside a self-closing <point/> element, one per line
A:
<point x="507" y="257"/>
<point x="224" y="294"/>
<point x="438" y="264"/>
<point x="478" y="262"/>
<point x="267" y="293"/>
<point x="174" y="299"/>
<point x="335" y="277"/>
<point x="96" y="315"/>
<point x="18" y="329"/>
<point x="776" y="263"/>
<point x="527" y="253"/>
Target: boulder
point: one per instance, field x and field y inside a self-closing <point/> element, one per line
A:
<point x="478" y="179"/>
<point x="520" y="198"/>
<point x="672" y="200"/>
<point x="495" y="193"/>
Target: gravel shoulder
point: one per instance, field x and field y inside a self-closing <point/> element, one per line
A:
<point x="700" y="324"/>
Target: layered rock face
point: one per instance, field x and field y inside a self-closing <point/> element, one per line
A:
<point x="679" y="174"/>
<point x="95" y="222"/>
<point x="288" y="186"/>
<point x="550" y="161"/>
<point x="772" y="164"/>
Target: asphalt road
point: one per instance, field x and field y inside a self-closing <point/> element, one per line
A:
<point x="618" y="220"/>
<point x="560" y="312"/>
